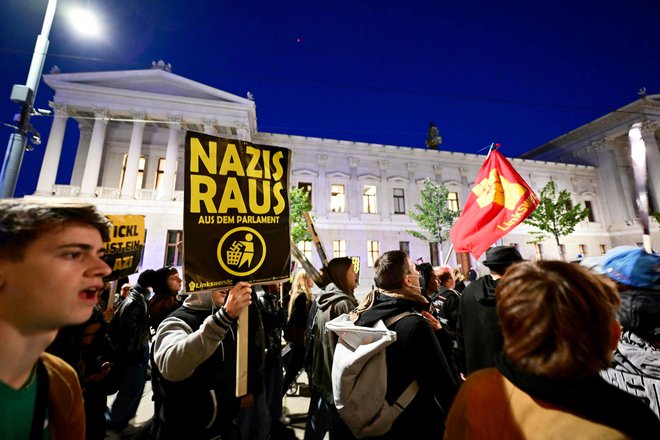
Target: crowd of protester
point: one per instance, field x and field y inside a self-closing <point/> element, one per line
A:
<point x="543" y="349"/>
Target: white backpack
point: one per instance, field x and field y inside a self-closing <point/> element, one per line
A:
<point x="359" y="376"/>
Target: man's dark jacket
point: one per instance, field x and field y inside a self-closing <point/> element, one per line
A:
<point x="477" y="329"/>
<point x="416" y="355"/>
<point x="129" y="328"/>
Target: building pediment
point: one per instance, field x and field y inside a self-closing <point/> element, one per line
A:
<point x="398" y="179"/>
<point x="305" y="173"/>
<point x="150" y="81"/>
<point x="338" y="175"/>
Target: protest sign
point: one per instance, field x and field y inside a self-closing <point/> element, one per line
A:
<point x="236" y="213"/>
<point x="124" y="250"/>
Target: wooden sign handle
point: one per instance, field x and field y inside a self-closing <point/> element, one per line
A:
<point x="242" y="354"/>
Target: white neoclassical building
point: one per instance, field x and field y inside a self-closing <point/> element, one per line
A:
<point x="128" y="160"/>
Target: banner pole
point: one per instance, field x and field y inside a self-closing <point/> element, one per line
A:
<point x="111" y="295"/>
<point x="315" y="237"/>
<point x="451" y="249"/>
<point x="242" y="353"/>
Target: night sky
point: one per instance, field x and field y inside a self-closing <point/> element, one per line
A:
<point x="515" y="72"/>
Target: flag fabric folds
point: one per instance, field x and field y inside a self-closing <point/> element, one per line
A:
<point x="499" y="201"/>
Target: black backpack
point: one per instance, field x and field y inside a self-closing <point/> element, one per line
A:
<point x="312" y="333"/>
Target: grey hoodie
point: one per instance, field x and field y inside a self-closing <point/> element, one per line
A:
<point x="331" y="303"/>
<point x="178" y="350"/>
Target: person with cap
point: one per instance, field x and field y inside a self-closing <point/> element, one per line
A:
<point x="478" y="333"/>
<point x="560" y="330"/>
<point x="636" y="366"/>
<point x="166" y="284"/>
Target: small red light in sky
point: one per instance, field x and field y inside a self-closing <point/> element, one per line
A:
<point x="298" y="40"/>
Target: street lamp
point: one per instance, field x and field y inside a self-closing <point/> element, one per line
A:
<point x="24" y="94"/>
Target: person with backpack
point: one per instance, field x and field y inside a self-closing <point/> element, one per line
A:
<point x="336" y="299"/>
<point x="416" y="350"/>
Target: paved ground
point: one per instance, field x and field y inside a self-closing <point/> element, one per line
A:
<point x="295" y="408"/>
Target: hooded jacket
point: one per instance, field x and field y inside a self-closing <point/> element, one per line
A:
<point x="416" y="355"/>
<point x="330" y="304"/>
<point x="478" y="331"/>
<point x="195" y="359"/>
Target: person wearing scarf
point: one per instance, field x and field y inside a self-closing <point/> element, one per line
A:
<point x="416" y="354"/>
<point x="560" y="330"/>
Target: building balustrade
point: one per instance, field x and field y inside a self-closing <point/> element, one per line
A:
<point x="66" y="191"/>
<point x="107" y="193"/>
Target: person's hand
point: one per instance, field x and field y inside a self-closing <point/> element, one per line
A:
<point x="435" y="324"/>
<point x="103" y="372"/>
<point x="238" y="299"/>
<point x="247" y="401"/>
<point x="108" y="314"/>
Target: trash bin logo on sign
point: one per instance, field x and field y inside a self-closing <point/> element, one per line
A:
<point x="241" y="251"/>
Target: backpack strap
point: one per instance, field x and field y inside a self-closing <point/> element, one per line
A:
<point x="393" y="319"/>
<point x="406" y="397"/>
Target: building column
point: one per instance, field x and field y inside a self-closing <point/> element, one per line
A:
<point x="322" y="185"/>
<point x="610" y="181"/>
<point x="465" y="186"/>
<point x="85" y="129"/>
<point x="94" y="154"/>
<point x="413" y="190"/>
<point x="133" y="158"/>
<point x="166" y="189"/>
<point x="53" y="151"/>
<point x="437" y="170"/>
<point x="652" y="161"/>
<point x="354" y="198"/>
<point x="385" y="195"/>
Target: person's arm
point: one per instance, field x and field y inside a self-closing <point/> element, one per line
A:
<point x="178" y="350"/>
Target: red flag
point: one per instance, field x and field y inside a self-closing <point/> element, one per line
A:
<point x="499" y="201"/>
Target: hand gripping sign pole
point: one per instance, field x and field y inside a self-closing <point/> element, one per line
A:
<point x="638" y="155"/>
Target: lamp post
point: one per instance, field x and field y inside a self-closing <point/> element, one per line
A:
<point x="24" y="94"/>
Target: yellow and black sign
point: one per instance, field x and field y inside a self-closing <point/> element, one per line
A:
<point x="124" y="250"/>
<point x="236" y="213"/>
